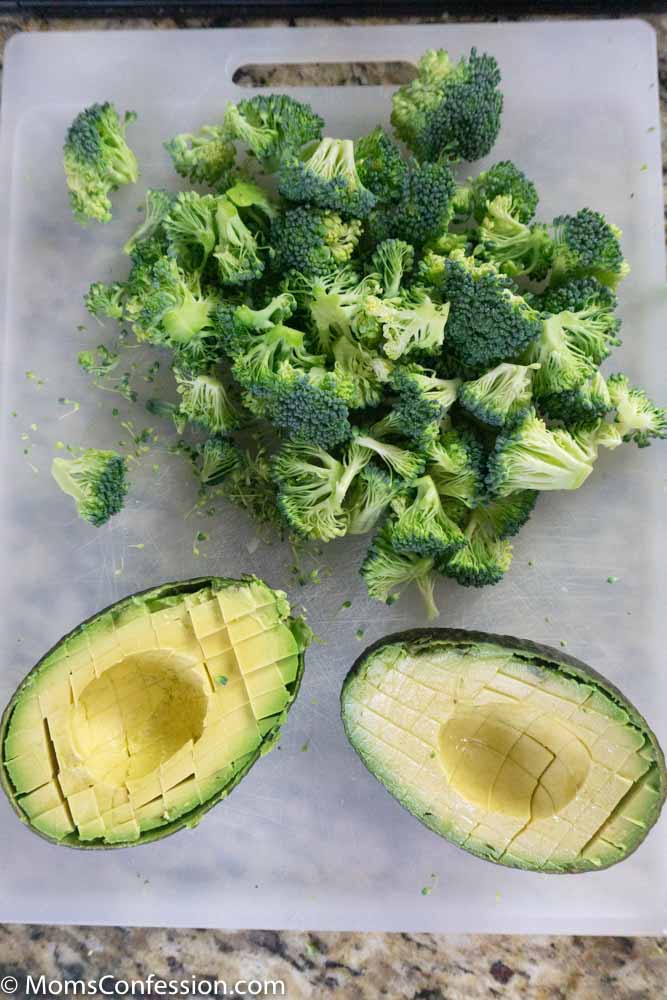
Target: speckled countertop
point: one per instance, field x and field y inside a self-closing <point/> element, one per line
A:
<point x="348" y="965"/>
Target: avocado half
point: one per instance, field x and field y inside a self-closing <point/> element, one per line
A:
<point x="514" y="751"/>
<point x="149" y="713"/>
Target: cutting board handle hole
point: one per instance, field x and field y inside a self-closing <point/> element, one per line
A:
<point x="321" y="74"/>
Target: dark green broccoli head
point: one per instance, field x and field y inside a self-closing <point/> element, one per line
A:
<point x="423" y="210"/>
<point x="311" y="410"/>
<point x="97" y="160"/>
<point x="97" y="482"/>
<point x="452" y="110"/>
<point x="380" y="166"/>
<point x="502" y="178"/>
<point x="325" y="174"/>
<point x="579" y="407"/>
<point x="482" y="560"/>
<point x="423" y="399"/>
<point x="456" y="461"/>
<point x="578" y="295"/>
<point x="587" y="246"/>
<point x="312" y="241"/>
<point x="271" y="357"/>
<point x="272" y="126"/>
<point x="205" y="157"/>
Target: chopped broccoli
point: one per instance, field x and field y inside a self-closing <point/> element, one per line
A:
<point x="236" y="251"/>
<point x="502" y="178"/>
<point x="423" y="399"/>
<point x="205" y="402"/>
<point x="217" y="458"/>
<point x="272" y="126"/>
<point x="515" y="247"/>
<point x="499" y="394"/>
<point x="354" y="361"/>
<point x="579" y="295"/>
<point x="585" y="245"/>
<point x="105" y="300"/>
<point x="452" y="110"/>
<point x="97" y="160"/>
<point x="386" y="572"/>
<point x="424" y="209"/>
<point x="310" y="407"/>
<point x="271" y="357"/>
<point x="483" y="559"/>
<point x="579" y="407"/>
<point x="190" y="228"/>
<point x="337" y="304"/>
<point x="527" y="456"/>
<point x="325" y="174"/>
<point x="235" y="323"/>
<point x="97" y="482"/>
<point x="637" y="418"/>
<point x="598" y="435"/>
<point x="157" y="204"/>
<point x="204" y="157"/>
<point x="312" y="241"/>
<point x="488" y="321"/>
<point x="457" y="465"/>
<point x="564" y="365"/>
<point x="380" y="166"/>
<point x="370" y="495"/>
<point x="405" y="464"/>
<point x="392" y="261"/>
<point x="422" y="526"/>
<point x="586" y="317"/>
<point x="412" y="322"/>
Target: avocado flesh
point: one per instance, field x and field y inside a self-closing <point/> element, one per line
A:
<point x="512" y="751"/>
<point x="149" y="713"/>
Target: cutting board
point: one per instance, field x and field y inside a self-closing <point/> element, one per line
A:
<point x="309" y="839"/>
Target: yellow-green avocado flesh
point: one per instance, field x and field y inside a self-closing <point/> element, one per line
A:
<point x="513" y="751"/>
<point x="149" y="713"/>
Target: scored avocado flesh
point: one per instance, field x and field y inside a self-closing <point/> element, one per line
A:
<point x="149" y="710"/>
<point x="508" y="757"/>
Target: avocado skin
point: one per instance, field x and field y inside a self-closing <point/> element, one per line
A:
<point x="547" y="656"/>
<point x="189" y="820"/>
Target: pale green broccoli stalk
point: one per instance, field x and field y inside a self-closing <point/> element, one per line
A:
<point x="499" y="394"/>
<point x="236" y="252"/>
<point x="422" y="526"/>
<point x="482" y="560"/>
<point x="236" y="323"/>
<point x="392" y="261"/>
<point x="368" y="499"/>
<point x="218" y="457"/>
<point x="204" y="157"/>
<point x="97" y="160"/>
<point x="585" y="310"/>
<point x="386" y="572"/>
<point x="190" y="228"/>
<point x="325" y="174"/>
<point x="456" y="462"/>
<point x="529" y="457"/>
<point x="354" y="361"/>
<point x="97" y="482"/>
<point x="406" y="464"/>
<point x="337" y="303"/>
<point x="515" y="247"/>
<point x="412" y="322"/>
<point x="563" y="364"/>
<point x="253" y="201"/>
<point x="598" y="435"/>
<point x="637" y="418"/>
<point x="205" y="402"/>
<point x="157" y="204"/>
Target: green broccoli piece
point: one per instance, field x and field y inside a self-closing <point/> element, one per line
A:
<point x="424" y="209"/>
<point x="585" y="245"/>
<point x="356" y="363"/>
<point x="217" y="458"/>
<point x="310" y="407"/>
<point x="235" y="323"/>
<point x="97" y="160"/>
<point x="386" y="572"/>
<point x="312" y="241"/>
<point x="423" y="399"/>
<point x="499" y="394"/>
<point x="190" y="228"/>
<point x="205" y="402"/>
<point x="370" y="495"/>
<point x="637" y="418"/>
<point x="407" y="465"/>
<point x="513" y="246"/>
<point x="253" y="201"/>
<point x="502" y="178"/>
<point x="483" y="559"/>
<point x="422" y="526"/>
<point x="452" y="110"/>
<point x="237" y="252"/>
<point x="325" y="174"/>
<point x="585" y="311"/>
<point x="337" y="304"/>
<point x="380" y="166"/>
<point x="204" y="157"/>
<point x="488" y="321"/>
<point x="579" y="407"/>
<point x="392" y="261"/>
<point x="527" y="456"/>
<point x="579" y="295"/>
<point x="97" y="482"/>
<point x="412" y="322"/>
<point x="312" y="486"/>
<point x="505" y="516"/>
<point x="271" y="356"/>
<point x="272" y="125"/>
<point x="598" y="435"/>
<point x="157" y="204"/>
<point x="564" y="364"/>
<point x="456" y="462"/>
<point x="105" y="300"/>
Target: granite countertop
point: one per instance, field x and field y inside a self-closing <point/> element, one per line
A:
<point x="354" y="965"/>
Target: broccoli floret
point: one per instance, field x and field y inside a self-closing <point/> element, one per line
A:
<point x="97" y="160"/>
<point x="424" y="209"/>
<point x="598" y="435"/>
<point x="272" y="125"/>
<point x="361" y="367"/>
<point x="157" y="204"/>
<point x="310" y="408"/>
<point x="217" y="458"/>
<point x="204" y="157"/>
<point x="488" y="321"/>
<point x="312" y="241"/>
<point x="370" y="495"/>
<point x="236" y="252"/>
<point x="457" y="465"/>
<point x="564" y="365"/>
<point x="502" y="178"/>
<point x="190" y="228"/>
<point x="580" y="407"/>
<point x="451" y="110"/>
<point x="312" y="486"/>
<point x="513" y="246"/>
<point x="483" y="559"/>
<point x="423" y="399"/>
<point x="637" y="418"/>
<point x="97" y="482"/>
<point x="392" y="261"/>
<point x="579" y="295"/>
<point x="271" y="357"/>
<point x="235" y="323"/>
<point x="205" y="402"/>
<point x="105" y="300"/>
<point x="585" y="245"/>
<point x="412" y="322"/>
<point x="407" y="465"/>
<point x="386" y="572"/>
<point x="586" y="316"/>
<point x="499" y="394"/>
<point x="100" y="362"/>
<point x="422" y="526"/>
<point x="255" y="204"/>
<point x="380" y="165"/>
<point x="336" y="303"/>
<point x="506" y="516"/>
<point x="325" y="174"/>
<point x="527" y="456"/>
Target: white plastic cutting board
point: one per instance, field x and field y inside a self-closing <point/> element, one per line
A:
<point x="310" y="839"/>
